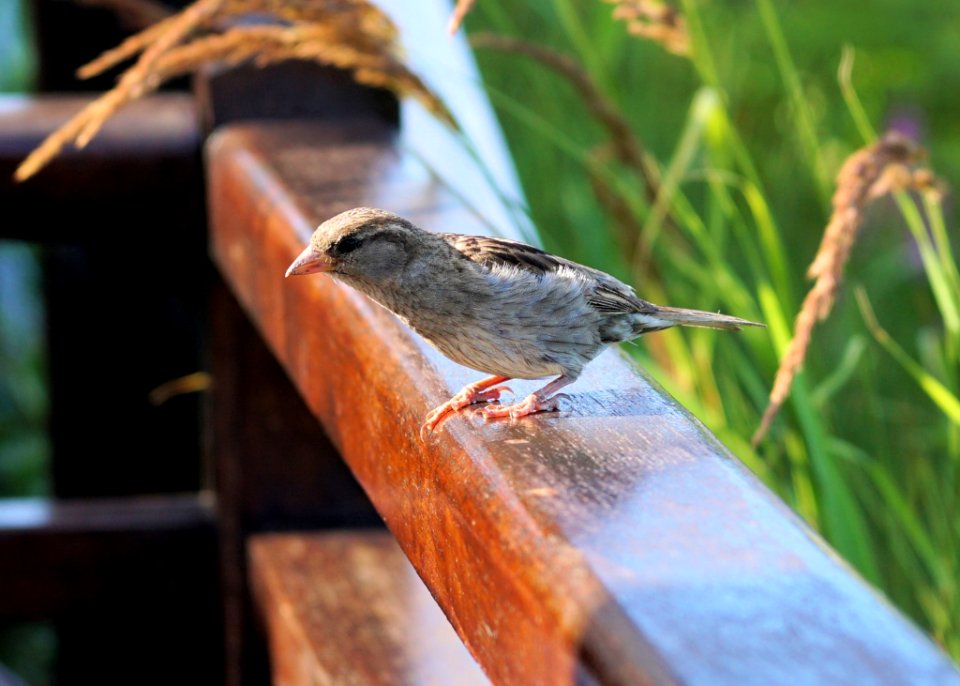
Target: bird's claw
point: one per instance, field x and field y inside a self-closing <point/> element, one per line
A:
<point x="491" y="394"/>
<point x="433" y="418"/>
<point x="461" y="400"/>
<point x="530" y="405"/>
<point x="426" y="429"/>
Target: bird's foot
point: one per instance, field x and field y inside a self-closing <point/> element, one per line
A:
<point x="530" y="405"/>
<point x="468" y="396"/>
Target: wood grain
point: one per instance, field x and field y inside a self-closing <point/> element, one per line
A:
<point x="347" y="609"/>
<point x="615" y="542"/>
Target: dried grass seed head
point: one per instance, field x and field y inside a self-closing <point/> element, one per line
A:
<point x="886" y="166"/>
<point x="350" y="34"/>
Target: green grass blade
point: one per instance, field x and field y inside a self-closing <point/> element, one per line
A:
<point x="703" y="107"/>
<point x="850" y="97"/>
<point x="941" y="396"/>
<point x="843" y="373"/>
<point x="947" y="300"/>
<point x="806" y="129"/>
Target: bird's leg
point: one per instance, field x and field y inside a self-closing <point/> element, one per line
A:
<point x="476" y="392"/>
<point x="543" y="400"/>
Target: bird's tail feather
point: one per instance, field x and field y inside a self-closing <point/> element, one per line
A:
<point x="683" y="317"/>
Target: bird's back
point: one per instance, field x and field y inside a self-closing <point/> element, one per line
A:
<point x="507" y="308"/>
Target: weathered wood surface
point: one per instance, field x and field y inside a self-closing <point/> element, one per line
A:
<point x="615" y="541"/>
<point x="347" y="609"/>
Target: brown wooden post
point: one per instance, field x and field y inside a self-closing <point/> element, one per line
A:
<point x="123" y="226"/>
<point x="116" y="229"/>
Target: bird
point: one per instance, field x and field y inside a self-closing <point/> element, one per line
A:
<point x="495" y="305"/>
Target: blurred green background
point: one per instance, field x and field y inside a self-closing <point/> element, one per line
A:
<point x="23" y="448"/>
<point x="749" y="135"/>
<point x="25" y="648"/>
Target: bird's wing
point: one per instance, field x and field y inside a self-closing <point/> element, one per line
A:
<point x="492" y="252"/>
<point x="607" y="294"/>
<point x="616" y="299"/>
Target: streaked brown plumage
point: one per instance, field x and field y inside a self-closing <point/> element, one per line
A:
<point x="495" y="305"/>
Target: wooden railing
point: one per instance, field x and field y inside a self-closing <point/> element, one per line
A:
<point x="616" y="542"/>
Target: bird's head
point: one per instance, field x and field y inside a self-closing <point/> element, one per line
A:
<point x="363" y="243"/>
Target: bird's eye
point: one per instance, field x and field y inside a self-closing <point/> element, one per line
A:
<point x="347" y="244"/>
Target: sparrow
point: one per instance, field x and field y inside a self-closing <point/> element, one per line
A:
<point x="499" y="306"/>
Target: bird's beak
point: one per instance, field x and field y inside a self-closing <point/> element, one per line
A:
<point x="310" y="261"/>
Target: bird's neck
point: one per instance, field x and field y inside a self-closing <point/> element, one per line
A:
<point x="423" y="288"/>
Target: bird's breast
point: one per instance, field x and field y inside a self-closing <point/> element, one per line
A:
<point x="511" y="325"/>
